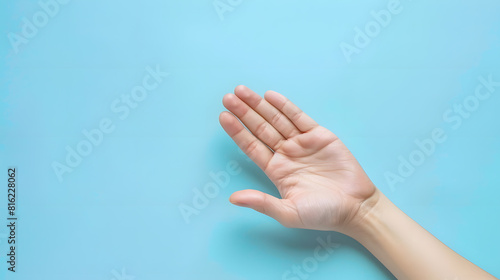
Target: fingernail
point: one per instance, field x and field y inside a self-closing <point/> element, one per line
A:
<point x="240" y="204"/>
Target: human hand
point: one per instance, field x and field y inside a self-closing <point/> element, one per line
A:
<point x="322" y="185"/>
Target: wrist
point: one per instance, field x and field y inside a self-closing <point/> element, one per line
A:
<point x="369" y="219"/>
<point x="404" y="247"/>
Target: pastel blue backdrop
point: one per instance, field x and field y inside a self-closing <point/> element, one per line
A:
<point x="116" y="214"/>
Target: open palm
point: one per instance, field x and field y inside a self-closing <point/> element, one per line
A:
<point x="322" y="186"/>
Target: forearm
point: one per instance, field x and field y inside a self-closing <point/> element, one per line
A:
<point x="407" y="249"/>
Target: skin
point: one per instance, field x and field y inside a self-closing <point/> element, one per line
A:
<point x="323" y="187"/>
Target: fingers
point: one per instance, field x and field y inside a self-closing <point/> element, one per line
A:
<point x="248" y="143"/>
<point x="279" y="209"/>
<point x="281" y="123"/>
<point x="302" y="121"/>
<point x="253" y="121"/>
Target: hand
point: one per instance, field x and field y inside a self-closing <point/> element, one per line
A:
<point x="322" y="185"/>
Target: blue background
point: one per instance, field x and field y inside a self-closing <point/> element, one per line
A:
<point x="117" y="213"/>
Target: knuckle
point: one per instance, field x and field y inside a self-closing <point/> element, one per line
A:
<point x="251" y="147"/>
<point x="276" y="117"/>
<point x="295" y="116"/>
<point x="261" y="128"/>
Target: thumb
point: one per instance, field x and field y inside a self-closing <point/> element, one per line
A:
<point x="279" y="209"/>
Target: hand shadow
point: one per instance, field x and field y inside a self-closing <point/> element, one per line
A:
<point x="256" y="245"/>
<point x="225" y="150"/>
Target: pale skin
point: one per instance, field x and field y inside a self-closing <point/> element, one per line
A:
<point x="323" y="187"/>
